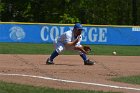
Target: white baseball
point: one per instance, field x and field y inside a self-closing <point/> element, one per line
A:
<point x="114" y="53"/>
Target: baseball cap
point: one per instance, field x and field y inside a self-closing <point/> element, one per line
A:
<point x="78" y="26"/>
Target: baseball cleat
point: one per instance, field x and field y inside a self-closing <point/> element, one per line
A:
<point x="88" y="62"/>
<point x="49" y="62"/>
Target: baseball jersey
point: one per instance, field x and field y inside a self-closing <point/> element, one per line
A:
<point x="68" y="37"/>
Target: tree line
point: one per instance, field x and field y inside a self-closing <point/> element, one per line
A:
<point x="98" y="12"/>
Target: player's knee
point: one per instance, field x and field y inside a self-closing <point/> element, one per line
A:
<point x="60" y="49"/>
<point x="80" y="53"/>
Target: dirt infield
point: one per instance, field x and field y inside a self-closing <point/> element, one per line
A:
<point x="69" y="72"/>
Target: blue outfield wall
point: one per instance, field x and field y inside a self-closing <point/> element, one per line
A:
<point x="46" y="33"/>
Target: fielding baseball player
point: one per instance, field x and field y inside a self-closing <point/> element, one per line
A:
<point x="70" y="40"/>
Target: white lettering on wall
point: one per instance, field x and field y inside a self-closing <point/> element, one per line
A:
<point x="93" y="34"/>
<point x="84" y="35"/>
<point x="102" y="35"/>
<point x="61" y="30"/>
<point x="45" y="28"/>
<point x="135" y="28"/>
<point x="50" y="33"/>
<point x="54" y="32"/>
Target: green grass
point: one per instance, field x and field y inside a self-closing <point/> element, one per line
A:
<point x="121" y="50"/>
<point x="27" y="48"/>
<point x="18" y="88"/>
<point x="129" y="79"/>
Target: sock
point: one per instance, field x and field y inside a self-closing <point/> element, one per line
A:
<point x="53" y="55"/>
<point x="84" y="57"/>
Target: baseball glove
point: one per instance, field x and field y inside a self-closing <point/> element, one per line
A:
<point x="87" y="48"/>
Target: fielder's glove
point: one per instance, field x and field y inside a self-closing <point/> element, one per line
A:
<point x="87" y="48"/>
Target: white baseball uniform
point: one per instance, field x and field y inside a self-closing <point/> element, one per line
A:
<point x="60" y="42"/>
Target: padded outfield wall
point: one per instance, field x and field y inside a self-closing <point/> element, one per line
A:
<point x="47" y="32"/>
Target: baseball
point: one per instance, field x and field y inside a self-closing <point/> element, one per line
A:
<point x="114" y="53"/>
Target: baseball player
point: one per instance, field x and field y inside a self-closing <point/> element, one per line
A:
<point x="70" y="40"/>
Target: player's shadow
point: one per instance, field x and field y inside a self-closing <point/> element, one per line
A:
<point x="67" y="64"/>
<point x="62" y="64"/>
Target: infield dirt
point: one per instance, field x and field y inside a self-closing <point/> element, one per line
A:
<point x="70" y="67"/>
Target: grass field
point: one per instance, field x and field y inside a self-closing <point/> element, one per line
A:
<point x="23" y="48"/>
<point x="129" y="79"/>
<point x="18" y="88"/>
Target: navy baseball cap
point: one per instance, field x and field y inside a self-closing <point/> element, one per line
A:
<point x="78" y="26"/>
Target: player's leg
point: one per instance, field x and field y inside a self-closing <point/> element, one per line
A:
<point x="59" y="48"/>
<point x="83" y="56"/>
<point x="86" y="60"/>
<point x="51" y="58"/>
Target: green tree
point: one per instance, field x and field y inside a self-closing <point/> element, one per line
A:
<point x="1" y="8"/>
<point x="99" y="12"/>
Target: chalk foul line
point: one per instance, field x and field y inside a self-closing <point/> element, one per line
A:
<point x="71" y="81"/>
